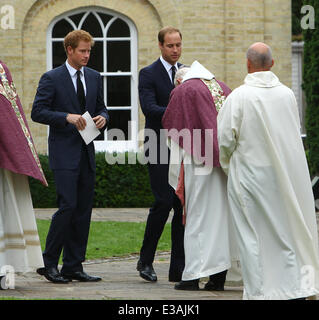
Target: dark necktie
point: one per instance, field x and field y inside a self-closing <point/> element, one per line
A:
<point x="80" y="91"/>
<point x="173" y="73"/>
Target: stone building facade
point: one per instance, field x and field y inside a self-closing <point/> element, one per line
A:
<point x="217" y="33"/>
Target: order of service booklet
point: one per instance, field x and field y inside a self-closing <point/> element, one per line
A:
<point x="91" y="131"/>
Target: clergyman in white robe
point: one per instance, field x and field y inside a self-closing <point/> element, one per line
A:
<point x="209" y="242"/>
<point x="269" y="189"/>
<point x="194" y="104"/>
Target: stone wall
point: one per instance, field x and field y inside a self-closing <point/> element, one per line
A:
<point x="217" y="33"/>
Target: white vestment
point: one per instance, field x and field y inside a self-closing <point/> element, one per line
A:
<point x="269" y="190"/>
<point x="207" y="235"/>
<point x="19" y="241"/>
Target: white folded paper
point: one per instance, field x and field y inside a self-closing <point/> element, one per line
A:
<point x="91" y="131"/>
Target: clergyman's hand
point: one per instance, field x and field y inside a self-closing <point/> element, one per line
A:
<point x="99" y="121"/>
<point x="77" y="120"/>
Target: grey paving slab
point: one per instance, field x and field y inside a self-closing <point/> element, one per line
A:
<point x="120" y="281"/>
<point x="120" y="278"/>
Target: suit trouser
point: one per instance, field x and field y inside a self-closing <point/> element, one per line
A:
<point x="165" y="200"/>
<point x="70" y="225"/>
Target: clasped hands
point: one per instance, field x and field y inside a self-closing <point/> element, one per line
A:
<point x="80" y="122"/>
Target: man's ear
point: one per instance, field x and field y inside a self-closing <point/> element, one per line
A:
<point x="248" y="65"/>
<point x="69" y="50"/>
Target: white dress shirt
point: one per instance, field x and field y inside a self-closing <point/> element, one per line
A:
<point x="73" y="75"/>
<point x="168" y="67"/>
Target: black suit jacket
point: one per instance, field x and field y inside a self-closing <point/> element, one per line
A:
<point x="154" y="88"/>
<point x="55" y="98"/>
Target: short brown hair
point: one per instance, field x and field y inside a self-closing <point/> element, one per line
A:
<point x="73" y="38"/>
<point x="164" y="31"/>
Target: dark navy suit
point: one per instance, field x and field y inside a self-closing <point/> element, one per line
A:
<point x="155" y="87"/>
<point x="72" y="162"/>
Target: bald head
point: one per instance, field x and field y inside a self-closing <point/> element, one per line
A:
<point x="259" y="57"/>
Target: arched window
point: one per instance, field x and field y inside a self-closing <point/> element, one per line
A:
<point x="114" y="55"/>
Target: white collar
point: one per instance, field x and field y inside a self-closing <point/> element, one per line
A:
<point x="72" y="70"/>
<point x="263" y="79"/>
<point x="198" y="71"/>
<point x="167" y="65"/>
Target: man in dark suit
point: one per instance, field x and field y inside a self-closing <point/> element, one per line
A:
<point x="156" y="82"/>
<point x="63" y="95"/>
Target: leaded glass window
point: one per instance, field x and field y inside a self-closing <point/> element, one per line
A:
<point x="114" y="55"/>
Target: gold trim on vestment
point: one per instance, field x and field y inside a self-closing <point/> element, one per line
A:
<point x="32" y="243"/>
<point x="19" y="235"/>
<point x="30" y="232"/>
<point x="216" y="91"/>
<point x="12" y="236"/>
<point x="13" y="246"/>
<point x="20" y="246"/>
<point x="10" y="93"/>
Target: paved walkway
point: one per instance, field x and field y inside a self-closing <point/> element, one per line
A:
<point x="120" y="278"/>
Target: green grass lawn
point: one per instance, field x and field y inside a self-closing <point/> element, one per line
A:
<point x="110" y="238"/>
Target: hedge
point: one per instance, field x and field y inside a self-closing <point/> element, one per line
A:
<point x="311" y="88"/>
<point x="117" y="185"/>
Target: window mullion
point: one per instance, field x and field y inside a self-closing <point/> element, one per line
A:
<point x="120" y="89"/>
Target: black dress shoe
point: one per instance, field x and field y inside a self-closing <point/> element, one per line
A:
<point x="216" y="281"/>
<point x="52" y="274"/>
<point x="81" y="276"/>
<point x="191" y="285"/>
<point x="213" y="286"/>
<point x="146" y="271"/>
